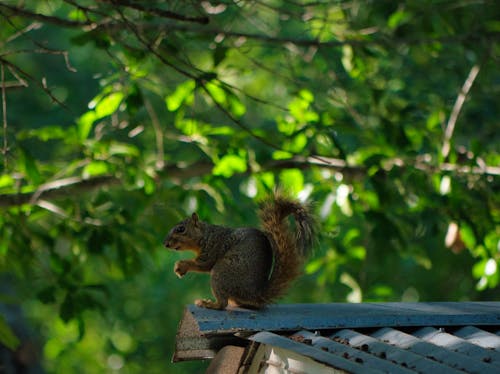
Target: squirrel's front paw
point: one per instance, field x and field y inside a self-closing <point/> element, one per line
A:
<point x="180" y="268"/>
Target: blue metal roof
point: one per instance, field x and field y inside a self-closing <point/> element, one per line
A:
<point x="286" y="317"/>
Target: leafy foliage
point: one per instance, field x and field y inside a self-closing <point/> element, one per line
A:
<point x="121" y="117"/>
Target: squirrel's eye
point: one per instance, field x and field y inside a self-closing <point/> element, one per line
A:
<point x="180" y="229"/>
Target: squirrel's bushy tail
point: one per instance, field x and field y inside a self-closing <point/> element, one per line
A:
<point x="290" y="245"/>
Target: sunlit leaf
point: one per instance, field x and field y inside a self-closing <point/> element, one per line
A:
<point x="116" y="148"/>
<point x="108" y="105"/>
<point x="286" y="127"/>
<point x="292" y="180"/>
<point x="236" y="106"/>
<point x="467" y="236"/>
<point x="306" y="95"/>
<point x="6" y="181"/>
<point x="313" y="266"/>
<point x="298" y="143"/>
<point x="383" y="291"/>
<point x="229" y="165"/>
<point x="45" y="133"/>
<point x="282" y="155"/>
<point x="95" y="168"/>
<point x="77" y="15"/>
<point x="398" y="18"/>
<point x="84" y="124"/>
<point x="216" y="92"/>
<point x="182" y="94"/>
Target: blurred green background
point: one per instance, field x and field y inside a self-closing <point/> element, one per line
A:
<point x="120" y="118"/>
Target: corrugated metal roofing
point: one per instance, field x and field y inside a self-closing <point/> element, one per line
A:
<point x="355" y="338"/>
<point x="391" y="350"/>
<point x="425" y="350"/>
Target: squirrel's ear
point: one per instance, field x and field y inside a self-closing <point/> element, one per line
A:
<point x="195" y="218"/>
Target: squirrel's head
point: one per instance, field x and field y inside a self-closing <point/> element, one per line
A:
<point x="185" y="235"/>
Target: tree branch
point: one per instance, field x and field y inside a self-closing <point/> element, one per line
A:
<point x="43" y="18"/>
<point x="462" y="95"/>
<point x="68" y="187"/>
<point x="158" y="12"/>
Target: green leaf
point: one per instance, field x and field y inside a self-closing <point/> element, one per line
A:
<point x="124" y="149"/>
<point x="282" y="155"/>
<point x="219" y="130"/>
<point x="298" y="143"/>
<point x="95" y="168"/>
<point x="84" y="124"/>
<point x="236" y="107"/>
<point x="292" y="180"/>
<point x="77" y="15"/>
<point x="47" y="295"/>
<point x="101" y="39"/>
<point x="383" y="291"/>
<point x="398" y="18"/>
<point x="306" y="95"/>
<point x="68" y="308"/>
<point x="6" y="181"/>
<point x="313" y="266"/>
<point x="29" y="166"/>
<point x="493" y="26"/>
<point x="467" y="235"/>
<point x="216" y="92"/>
<point x="184" y="93"/>
<point x="108" y="105"/>
<point x="7" y="336"/>
<point x="286" y="126"/>
<point x="219" y="54"/>
<point x="300" y="108"/>
<point x="45" y="133"/>
<point x="229" y="165"/>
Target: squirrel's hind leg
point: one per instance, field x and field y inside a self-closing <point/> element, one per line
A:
<point x="220" y="303"/>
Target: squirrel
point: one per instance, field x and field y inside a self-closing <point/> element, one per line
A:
<point x="249" y="267"/>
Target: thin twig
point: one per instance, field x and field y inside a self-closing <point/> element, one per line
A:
<point x="462" y="95"/>
<point x="22" y="82"/>
<point x="32" y="26"/>
<point x="160" y="162"/>
<point x="42" y="84"/>
<point x="47" y="51"/>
